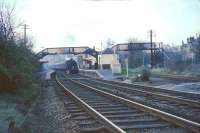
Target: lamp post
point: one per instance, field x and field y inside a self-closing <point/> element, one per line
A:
<point x="126" y="67"/>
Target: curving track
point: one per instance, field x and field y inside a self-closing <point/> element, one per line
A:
<point x="120" y="114"/>
<point x="84" y="121"/>
<point x="178" y="103"/>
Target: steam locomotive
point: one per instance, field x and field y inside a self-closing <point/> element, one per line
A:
<point x="71" y="67"/>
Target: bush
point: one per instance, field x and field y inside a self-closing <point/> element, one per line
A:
<point x="145" y="74"/>
<point x="17" y="61"/>
<point x="7" y="84"/>
<point x="3" y="70"/>
<point x="140" y="74"/>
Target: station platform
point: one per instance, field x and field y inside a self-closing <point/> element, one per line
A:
<point x="103" y="74"/>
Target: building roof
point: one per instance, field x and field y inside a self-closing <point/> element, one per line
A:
<point x="90" y="52"/>
<point x="108" y="51"/>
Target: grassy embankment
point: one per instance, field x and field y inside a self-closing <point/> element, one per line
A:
<point x="193" y="71"/>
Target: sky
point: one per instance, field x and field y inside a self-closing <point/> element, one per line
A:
<point x="56" y="23"/>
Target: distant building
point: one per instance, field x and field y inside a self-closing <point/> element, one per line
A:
<point x="138" y="53"/>
<point x="191" y="49"/>
<point x="110" y="61"/>
<point x="84" y="56"/>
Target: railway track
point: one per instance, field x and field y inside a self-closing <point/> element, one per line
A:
<point x="118" y="114"/>
<point x="175" y="104"/>
<point x="84" y="121"/>
<point x="153" y="89"/>
<point x="178" y="77"/>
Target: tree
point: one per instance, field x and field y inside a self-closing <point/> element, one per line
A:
<point x="132" y="40"/>
<point x="135" y="57"/>
<point x="7" y="28"/>
<point x="109" y="43"/>
<point x="7" y="32"/>
<point x="17" y="62"/>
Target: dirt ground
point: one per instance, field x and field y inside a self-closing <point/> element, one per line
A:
<point x="49" y="114"/>
<point x="10" y="110"/>
<point x="46" y="114"/>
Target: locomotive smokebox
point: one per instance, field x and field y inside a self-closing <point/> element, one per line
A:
<point x="72" y="66"/>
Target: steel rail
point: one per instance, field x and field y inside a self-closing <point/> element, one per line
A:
<point x="146" y="86"/>
<point x="163" y="96"/>
<point x="190" y="125"/>
<point x="178" y="77"/>
<point x="150" y="87"/>
<point x="102" y="119"/>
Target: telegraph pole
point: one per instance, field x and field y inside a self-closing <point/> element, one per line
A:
<point x="25" y="27"/>
<point x="152" y="62"/>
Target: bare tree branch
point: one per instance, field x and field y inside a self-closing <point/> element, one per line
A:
<point x="6" y="23"/>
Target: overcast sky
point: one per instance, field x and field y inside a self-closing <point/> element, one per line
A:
<point x="55" y="23"/>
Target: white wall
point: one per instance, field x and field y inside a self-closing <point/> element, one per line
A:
<point x="113" y="60"/>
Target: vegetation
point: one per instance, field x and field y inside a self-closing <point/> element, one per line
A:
<point x="138" y="74"/>
<point x="17" y="61"/>
<point x="193" y="71"/>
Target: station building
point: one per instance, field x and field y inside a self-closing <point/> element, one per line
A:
<point x="110" y="61"/>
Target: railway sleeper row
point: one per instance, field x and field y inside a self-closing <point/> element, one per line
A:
<point x="129" y="118"/>
<point x="179" y="97"/>
<point x="85" y="122"/>
<point x="179" y="94"/>
<point x="171" y="106"/>
<point x="158" y="90"/>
